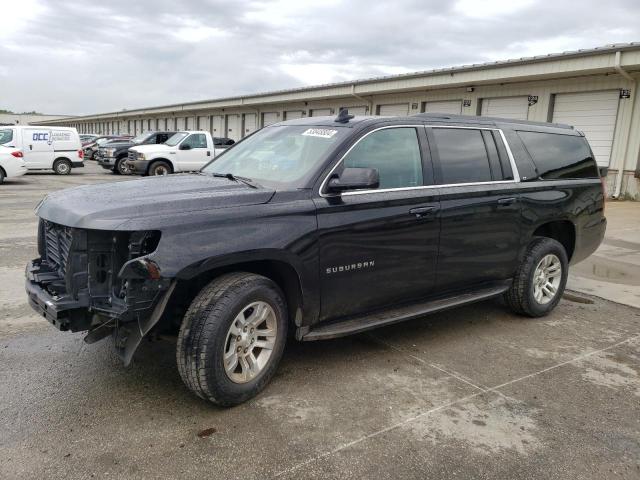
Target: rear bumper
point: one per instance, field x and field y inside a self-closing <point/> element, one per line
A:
<point x="77" y="164"/>
<point x="589" y="238"/>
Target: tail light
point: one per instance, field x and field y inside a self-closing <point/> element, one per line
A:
<point x="80" y="154"/>
<point x="17" y="154"/>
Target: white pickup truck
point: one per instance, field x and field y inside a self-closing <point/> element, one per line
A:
<point x="186" y="151"/>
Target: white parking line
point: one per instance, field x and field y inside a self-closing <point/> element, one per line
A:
<point x="344" y="446"/>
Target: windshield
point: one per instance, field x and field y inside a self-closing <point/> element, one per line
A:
<point x="140" y="138"/>
<point x="281" y="155"/>
<point x="176" y="139"/>
<point x="6" y="135"/>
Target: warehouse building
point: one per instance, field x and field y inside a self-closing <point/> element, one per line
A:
<point x="595" y="90"/>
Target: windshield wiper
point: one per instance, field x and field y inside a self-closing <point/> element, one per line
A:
<point x="236" y="178"/>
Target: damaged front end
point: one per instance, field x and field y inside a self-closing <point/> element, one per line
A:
<point x="100" y="281"/>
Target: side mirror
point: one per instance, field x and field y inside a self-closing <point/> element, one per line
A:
<point x="355" y="179"/>
<point x="185" y="147"/>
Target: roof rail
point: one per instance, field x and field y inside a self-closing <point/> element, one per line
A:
<point x="475" y="118"/>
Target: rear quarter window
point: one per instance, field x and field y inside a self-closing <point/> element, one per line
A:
<point x="558" y="156"/>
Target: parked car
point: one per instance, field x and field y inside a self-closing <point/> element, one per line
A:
<point x="45" y="148"/>
<point x="11" y="163"/>
<point x="87" y="138"/>
<point x="113" y="155"/>
<point x="186" y="151"/>
<point x="323" y="226"/>
<point x="91" y="149"/>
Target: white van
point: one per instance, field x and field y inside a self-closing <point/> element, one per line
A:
<point x="45" y="148"/>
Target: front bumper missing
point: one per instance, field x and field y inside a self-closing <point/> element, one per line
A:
<point x="64" y="312"/>
<point x="138" y="166"/>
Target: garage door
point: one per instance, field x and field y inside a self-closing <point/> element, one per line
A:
<point x="234" y="130"/>
<point x="269" y="118"/>
<point x="394" y="109"/>
<point x="203" y="123"/>
<point x="250" y="123"/>
<point x="180" y="123"/>
<point x="358" y="111"/>
<point x="448" y="106"/>
<point x="217" y="126"/>
<point x="290" y="115"/>
<point x="320" y="112"/>
<point x="516" y="108"/>
<point x="593" y="113"/>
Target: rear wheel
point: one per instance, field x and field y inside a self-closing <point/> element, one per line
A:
<point x="232" y="338"/>
<point x="2" y="175"/>
<point x="121" y="167"/>
<point x="540" y="280"/>
<point x="160" y="168"/>
<point x="62" y="166"/>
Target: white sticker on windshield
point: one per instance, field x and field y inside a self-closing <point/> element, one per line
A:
<point x="319" y="132"/>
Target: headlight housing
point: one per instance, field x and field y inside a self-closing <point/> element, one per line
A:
<point x="109" y="152"/>
<point x="140" y="156"/>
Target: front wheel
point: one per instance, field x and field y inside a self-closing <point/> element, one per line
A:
<point x="540" y="280"/>
<point x="121" y="167"/>
<point x="160" y="168"/>
<point x="232" y="338"/>
<point x="62" y="167"/>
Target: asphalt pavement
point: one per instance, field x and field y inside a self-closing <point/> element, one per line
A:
<point x="475" y="392"/>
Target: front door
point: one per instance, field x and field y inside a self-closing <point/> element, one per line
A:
<point x="480" y="207"/>
<point x="37" y="148"/>
<point x="375" y="248"/>
<point x="193" y="153"/>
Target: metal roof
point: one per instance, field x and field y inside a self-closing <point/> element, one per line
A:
<point x="424" y="73"/>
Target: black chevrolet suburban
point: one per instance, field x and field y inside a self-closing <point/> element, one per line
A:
<point x="113" y="156"/>
<point x="319" y="227"/>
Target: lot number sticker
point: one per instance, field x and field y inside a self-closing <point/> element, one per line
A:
<point x="319" y="132"/>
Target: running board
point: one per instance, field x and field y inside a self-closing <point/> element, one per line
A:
<point x="362" y="323"/>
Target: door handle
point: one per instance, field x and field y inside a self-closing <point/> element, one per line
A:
<point x="208" y="153"/>
<point x="420" y="212"/>
<point x="506" y="201"/>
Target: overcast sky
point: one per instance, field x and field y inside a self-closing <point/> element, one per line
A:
<point x="81" y="57"/>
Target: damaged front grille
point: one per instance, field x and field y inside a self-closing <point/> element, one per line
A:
<point x="132" y="155"/>
<point x="58" y="241"/>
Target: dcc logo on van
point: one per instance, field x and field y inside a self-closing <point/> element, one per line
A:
<point x="41" y="136"/>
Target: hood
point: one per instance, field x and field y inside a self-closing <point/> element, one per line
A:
<point x="121" y="144"/>
<point x="110" y="206"/>
<point x="152" y="147"/>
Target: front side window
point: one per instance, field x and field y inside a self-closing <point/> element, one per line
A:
<point x="196" y="140"/>
<point x="6" y="135"/>
<point x="394" y="152"/>
<point x="463" y="156"/>
<point x="560" y="156"/>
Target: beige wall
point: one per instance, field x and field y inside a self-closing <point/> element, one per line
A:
<point x="626" y="142"/>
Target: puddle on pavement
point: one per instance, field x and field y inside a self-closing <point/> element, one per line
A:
<point x="597" y="268"/>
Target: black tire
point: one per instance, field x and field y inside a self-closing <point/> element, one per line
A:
<point x="520" y="296"/>
<point x="2" y="176"/>
<point x="120" y="167"/>
<point x="202" y="340"/>
<point x="62" y="166"/>
<point x="160" y="168"/>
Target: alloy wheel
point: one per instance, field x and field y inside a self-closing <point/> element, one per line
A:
<point x="250" y="342"/>
<point x="546" y="279"/>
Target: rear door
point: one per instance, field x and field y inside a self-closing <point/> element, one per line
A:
<point x="376" y="250"/>
<point x="480" y="208"/>
<point x="37" y="148"/>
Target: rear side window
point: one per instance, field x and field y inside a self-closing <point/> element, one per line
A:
<point x="463" y="155"/>
<point x="394" y="152"/>
<point x="560" y="156"/>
